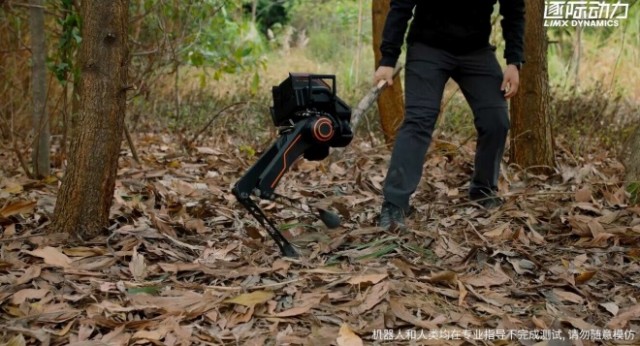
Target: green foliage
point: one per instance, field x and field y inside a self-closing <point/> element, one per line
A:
<point x="270" y="13"/>
<point x="212" y="34"/>
<point x="226" y="45"/>
<point x="332" y="27"/>
<point x="62" y="62"/>
<point x="634" y="190"/>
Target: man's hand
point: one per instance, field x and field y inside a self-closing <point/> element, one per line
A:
<point x="384" y="73"/>
<point x="511" y="81"/>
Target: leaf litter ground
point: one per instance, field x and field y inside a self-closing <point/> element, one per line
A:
<point x="184" y="264"/>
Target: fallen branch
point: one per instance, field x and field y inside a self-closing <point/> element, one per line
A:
<point x="134" y="152"/>
<point x="362" y="107"/>
<point x="188" y="144"/>
<point x="369" y="99"/>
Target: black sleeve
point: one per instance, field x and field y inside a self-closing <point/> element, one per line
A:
<point x="512" y="22"/>
<point x="395" y="27"/>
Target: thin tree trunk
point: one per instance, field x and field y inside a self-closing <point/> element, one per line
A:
<point x="531" y="136"/>
<point x="391" y="101"/>
<point x="86" y="194"/>
<point x="254" y="7"/>
<point x="40" y="121"/>
<point x="359" y="45"/>
<point x="631" y="158"/>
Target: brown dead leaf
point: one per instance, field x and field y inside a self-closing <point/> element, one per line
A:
<point x="463" y="293"/>
<point x="402" y="313"/>
<point x="611" y="307"/>
<point x="374" y="296"/>
<point x="251" y="299"/>
<point x="487" y="278"/>
<point x="583" y="195"/>
<point x="196" y="225"/>
<point x="497" y="232"/>
<point x="31" y="273"/>
<point x="579" y="225"/>
<point x="17" y="207"/>
<point x="539" y="323"/>
<point x="568" y="296"/>
<point x="137" y="266"/>
<point x="347" y="337"/>
<point x="151" y="335"/>
<point x="624" y="316"/>
<point x="584" y="277"/>
<point x="28" y="293"/>
<point x="17" y="340"/>
<point x="303" y="305"/>
<point x="373" y="278"/>
<point x="579" y="323"/>
<point x="298" y="310"/>
<point x="443" y="276"/>
<point x="83" y="251"/>
<point x="51" y="256"/>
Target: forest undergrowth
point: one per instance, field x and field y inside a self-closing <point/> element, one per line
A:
<point x="182" y="263"/>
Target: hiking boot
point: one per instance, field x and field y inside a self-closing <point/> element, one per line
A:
<point x="487" y="201"/>
<point x="391" y="217"/>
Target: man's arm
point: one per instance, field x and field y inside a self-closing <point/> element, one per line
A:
<point x="395" y="28"/>
<point x="512" y="12"/>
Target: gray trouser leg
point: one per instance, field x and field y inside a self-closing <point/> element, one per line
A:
<point x="480" y="76"/>
<point x="427" y="71"/>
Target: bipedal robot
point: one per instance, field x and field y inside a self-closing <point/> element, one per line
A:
<point x="311" y="119"/>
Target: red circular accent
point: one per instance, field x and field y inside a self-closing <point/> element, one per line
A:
<point x="323" y="129"/>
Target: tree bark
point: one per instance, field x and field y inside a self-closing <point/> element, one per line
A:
<point x="531" y="136"/>
<point x="391" y="101"/>
<point x="86" y="194"/>
<point x="631" y="158"/>
<point x="39" y="119"/>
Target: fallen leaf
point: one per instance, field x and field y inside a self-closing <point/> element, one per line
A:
<point x="497" y="232"/>
<point x="13" y="188"/>
<point x="137" y="266"/>
<point x="568" y="296"/>
<point x="373" y="297"/>
<point x="17" y="207"/>
<point x="295" y="311"/>
<point x="303" y="304"/>
<point x="251" y="299"/>
<point x="579" y="323"/>
<point x="463" y="293"/>
<point x="373" y="278"/>
<point x="624" y="316"/>
<point x="17" y="340"/>
<point x="611" y="307"/>
<point x="583" y="195"/>
<point x="347" y="337"/>
<point x="584" y="277"/>
<point x="522" y="266"/>
<point x="488" y="277"/>
<point x="51" y="256"/>
<point x="539" y="323"/>
<point x="31" y="273"/>
<point x="402" y="313"/>
<point x="28" y="293"/>
<point x="443" y="276"/>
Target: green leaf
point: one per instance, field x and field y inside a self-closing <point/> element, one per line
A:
<point x="249" y="151"/>
<point x="152" y="290"/>
<point x="255" y="84"/>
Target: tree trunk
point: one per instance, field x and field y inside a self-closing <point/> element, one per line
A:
<point x="531" y="136"/>
<point x="86" y="194"/>
<point x="391" y="101"/>
<point x="39" y="119"/>
<point x="631" y="158"/>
